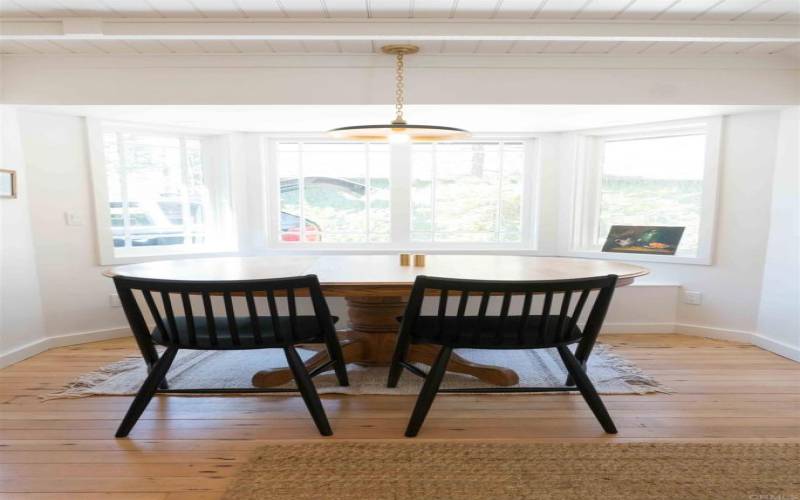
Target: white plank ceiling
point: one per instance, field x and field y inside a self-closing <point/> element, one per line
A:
<point x="730" y="12"/>
<point x="780" y="11"/>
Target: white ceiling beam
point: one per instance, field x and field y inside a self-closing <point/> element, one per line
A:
<point x="397" y="29"/>
<point x="82" y="27"/>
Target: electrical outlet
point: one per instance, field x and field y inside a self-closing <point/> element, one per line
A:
<point x="113" y="300"/>
<point x="692" y="297"/>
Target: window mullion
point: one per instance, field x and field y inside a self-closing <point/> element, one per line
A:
<point x="593" y="228"/>
<point x="301" y="195"/>
<point x="530" y="206"/>
<point x="400" y="193"/>
<point x="434" y="176"/>
<point x="185" y="211"/>
<point x="588" y="171"/>
<point x="367" y="188"/>
<point x="499" y="199"/>
<point x="123" y="185"/>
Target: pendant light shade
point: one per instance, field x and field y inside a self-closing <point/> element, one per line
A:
<point x="403" y="132"/>
<point x="398" y="130"/>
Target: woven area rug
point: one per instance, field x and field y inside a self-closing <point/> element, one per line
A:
<point x="499" y="471"/>
<point x="611" y="373"/>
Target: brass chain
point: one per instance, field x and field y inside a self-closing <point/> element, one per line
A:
<point x="399" y="95"/>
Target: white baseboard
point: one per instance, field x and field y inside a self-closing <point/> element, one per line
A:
<point x="26" y="351"/>
<point x="754" y="338"/>
<point x="777" y="347"/>
<point x="613" y="328"/>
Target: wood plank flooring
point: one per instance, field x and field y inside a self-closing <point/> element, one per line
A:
<point x="187" y="447"/>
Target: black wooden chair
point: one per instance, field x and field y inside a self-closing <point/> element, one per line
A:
<point x="504" y="331"/>
<point x="228" y="331"/>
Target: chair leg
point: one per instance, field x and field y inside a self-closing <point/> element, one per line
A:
<point x="156" y="376"/>
<point x="339" y="366"/>
<point x="164" y="385"/>
<point x="307" y="390"/>
<point x="396" y="369"/>
<point x="150" y="356"/>
<point x="582" y="353"/>
<point x="587" y="389"/>
<point x="429" y="390"/>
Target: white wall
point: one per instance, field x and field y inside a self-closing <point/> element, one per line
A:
<point x="75" y="295"/>
<point x="779" y="309"/>
<point x="21" y="318"/>
<point x="731" y="287"/>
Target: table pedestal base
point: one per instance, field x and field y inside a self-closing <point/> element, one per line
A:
<point x="372" y="340"/>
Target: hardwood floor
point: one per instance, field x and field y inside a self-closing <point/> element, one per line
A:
<point x="188" y="447"/>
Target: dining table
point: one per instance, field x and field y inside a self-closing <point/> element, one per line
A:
<point x="376" y="289"/>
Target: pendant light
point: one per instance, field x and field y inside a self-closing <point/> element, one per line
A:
<point x="398" y="130"/>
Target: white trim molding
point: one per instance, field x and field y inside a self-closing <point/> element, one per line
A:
<point x="33" y="348"/>
<point x="754" y="338"/>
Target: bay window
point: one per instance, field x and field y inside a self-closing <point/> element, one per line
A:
<point x="168" y="192"/>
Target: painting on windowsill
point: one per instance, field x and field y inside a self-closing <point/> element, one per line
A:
<point x="654" y="240"/>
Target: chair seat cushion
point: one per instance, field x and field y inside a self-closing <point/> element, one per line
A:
<point x="492" y="333"/>
<point x="307" y="330"/>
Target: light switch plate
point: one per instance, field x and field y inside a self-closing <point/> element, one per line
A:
<point x="692" y="297"/>
<point x="73" y="219"/>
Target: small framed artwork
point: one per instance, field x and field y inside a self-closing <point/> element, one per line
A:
<point x="658" y="240"/>
<point x="8" y="183"/>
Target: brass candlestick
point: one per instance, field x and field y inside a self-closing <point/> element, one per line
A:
<point x="405" y="259"/>
<point x="419" y="261"/>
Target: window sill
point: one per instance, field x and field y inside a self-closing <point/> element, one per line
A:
<point x="291" y="249"/>
<point x="333" y="249"/>
<point x="638" y="257"/>
<point x="377" y="249"/>
<point x="136" y="256"/>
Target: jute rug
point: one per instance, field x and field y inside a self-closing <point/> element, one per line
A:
<point x="611" y="373"/>
<point x="499" y="471"/>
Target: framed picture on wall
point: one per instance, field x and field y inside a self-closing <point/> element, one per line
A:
<point x="660" y="240"/>
<point x="8" y="183"/>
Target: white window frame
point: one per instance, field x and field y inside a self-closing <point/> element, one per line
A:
<point x="400" y="202"/>
<point x="108" y="254"/>
<point x="580" y="210"/>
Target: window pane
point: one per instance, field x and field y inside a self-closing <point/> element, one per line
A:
<point x="511" y="193"/>
<point x="379" y="204"/>
<point x="466" y="192"/>
<point x="113" y="177"/>
<point x="422" y="190"/>
<point x="157" y="195"/>
<point x="653" y="181"/>
<point x="334" y="192"/>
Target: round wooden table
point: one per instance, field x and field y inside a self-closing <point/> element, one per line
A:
<point x="376" y="288"/>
